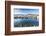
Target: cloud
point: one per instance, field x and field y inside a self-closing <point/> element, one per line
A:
<point x="26" y="11"/>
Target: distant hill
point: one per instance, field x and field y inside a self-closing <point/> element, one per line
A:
<point x="15" y="15"/>
<point x="26" y="16"/>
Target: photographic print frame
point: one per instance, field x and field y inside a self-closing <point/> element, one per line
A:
<point x="8" y="20"/>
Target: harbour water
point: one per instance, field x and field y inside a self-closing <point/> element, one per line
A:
<point x="19" y="22"/>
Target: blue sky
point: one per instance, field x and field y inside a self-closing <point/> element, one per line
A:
<point x="25" y="11"/>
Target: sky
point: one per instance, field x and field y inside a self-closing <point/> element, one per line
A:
<point x="25" y="11"/>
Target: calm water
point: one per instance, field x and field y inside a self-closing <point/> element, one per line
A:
<point x="25" y="22"/>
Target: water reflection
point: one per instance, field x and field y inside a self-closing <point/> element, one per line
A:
<point x="19" y="22"/>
